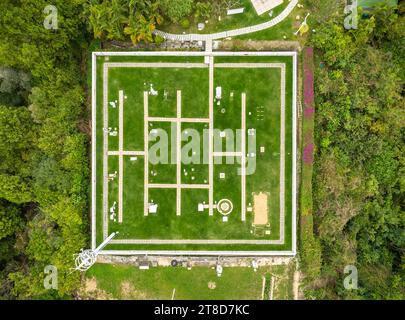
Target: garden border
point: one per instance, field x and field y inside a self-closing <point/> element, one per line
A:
<point x="180" y="252"/>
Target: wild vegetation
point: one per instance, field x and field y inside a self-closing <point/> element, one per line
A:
<point x="358" y="176"/>
<point x="43" y="160"/>
<point x="136" y="20"/>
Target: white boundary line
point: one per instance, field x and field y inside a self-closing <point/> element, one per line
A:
<point x="197" y="253"/>
<point x="253" y="65"/>
<point x="194" y="54"/>
<point x="243" y="161"/>
<point x="93" y="149"/>
<point x="146" y="155"/>
<point x="120" y="156"/>
<point x="282" y="151"/>
<point x="192" y="241"/>
<point x="159" y="65"/>
<point x="176" y="186"/>
<point x="186" y="120"/>
<point x="178" y="155"/>
<point x="211" y="138"/>
<point x="294" y="152"/>
<point x="174" y="252"/>
<point x="105" y="152"/>
<point x="126" y="153"/>
<point x="227" y="154"/>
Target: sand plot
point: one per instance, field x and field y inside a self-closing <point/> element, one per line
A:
<point x="260" y="209"/>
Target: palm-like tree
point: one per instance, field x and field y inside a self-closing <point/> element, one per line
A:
<point x="144" y="15"/>
<point x="139" y="6"/>
<point x="117" y="13"/>
<point x="109" y="17"/>
<point x="98" y="20"/>
<point x="154" y="14"/>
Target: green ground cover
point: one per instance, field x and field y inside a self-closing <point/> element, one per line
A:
<point x="372" y="3"/>
<point x="262" y="87"/>
<point x="128" y="282"/>
<point x="195" y="172"/>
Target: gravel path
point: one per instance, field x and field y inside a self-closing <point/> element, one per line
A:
<point x="231" y="33"/>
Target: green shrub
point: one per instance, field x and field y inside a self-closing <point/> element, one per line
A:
<point x="159" y="39"/>
<point x="175" y="10"/>
<point x="203" y="10"/>
<point x="185" y="23"/>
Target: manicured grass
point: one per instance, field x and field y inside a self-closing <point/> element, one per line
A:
<point x="165" y="170"/>
<point x="194" y="170"/>
<point x="262" y="87"/>
<point x="265" y="173"/>
<point x="372" y="3"/>
<point x="238" y="283"/>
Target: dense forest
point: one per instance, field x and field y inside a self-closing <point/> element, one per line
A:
<point x="359" y="173"/>
<point x="43" y="147"/>
<point x="358" y="179"/>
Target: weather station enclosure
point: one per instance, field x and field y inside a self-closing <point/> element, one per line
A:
<point x="194" y="153"/>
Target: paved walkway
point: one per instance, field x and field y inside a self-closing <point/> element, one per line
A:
<point x="188" y="120"/>
<point x="231" y="33"/>
<point x="178" y="155"/>
<point x="192" y="241"/>
<point x="146" y="150"/>
<point x="120" y="156"/>
<point x="155" y="65"/>
<point x="178" y="186"/>
<point x="282" y="152"/>
<point x="211" y="137"/>
<point x="243" y="166"/>
<point x="105" y="152"/>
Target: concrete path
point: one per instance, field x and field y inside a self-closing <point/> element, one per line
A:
<point x="243" y="162"/>
<point x="231" y="33"/>
<point x="126" y="153"/>
<point x="105" y="152"/>
<point x="155" y="65"/>
<point x="178" y="120"/>
<point x="192" y="241"/>
<point x="178" y="155"/>
<point x="176" y="186"/>
<point x="187" y="120"/>
<point x="211" y="137"/>
<point x="146" y="150"/>
<point x="282" y="151"/>
<point x="120" y="156"/>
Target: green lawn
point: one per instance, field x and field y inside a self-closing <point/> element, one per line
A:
<point x="238" y="283"/>
<point x="372" y="3"/>
<point x="262" y="88"/>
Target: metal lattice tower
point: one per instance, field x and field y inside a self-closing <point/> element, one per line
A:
<point x="86" y="258"/>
